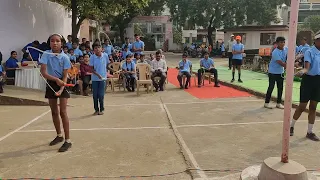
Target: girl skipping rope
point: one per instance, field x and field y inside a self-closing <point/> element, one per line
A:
<point x="54" y="69"/>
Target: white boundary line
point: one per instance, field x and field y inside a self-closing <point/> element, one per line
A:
<point x="183" y="143"/>
<point x="23" y="126"/>
<point x="94" y="129"/>
<point x="178" y="103"/>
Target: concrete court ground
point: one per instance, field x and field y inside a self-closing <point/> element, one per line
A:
<point x="135" y="137"/>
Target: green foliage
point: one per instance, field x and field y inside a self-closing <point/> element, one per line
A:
<point x="227" y="13"/>
<point x="177" y="35"/>
<point x="138" y="30"/>
<point x="312" y="23"/>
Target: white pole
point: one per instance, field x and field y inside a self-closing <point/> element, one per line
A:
<point x="289" y="79"/>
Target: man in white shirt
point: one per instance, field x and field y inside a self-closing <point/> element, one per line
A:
<point x="230" y="43"/>
<point x="158" y="69"/>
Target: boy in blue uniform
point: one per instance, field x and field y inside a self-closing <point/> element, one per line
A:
<point x="185" y="66"/>
<point x="99" y="63"/>
<point x="237" y="50"/>
<point x="55" y="69"/>
<point x="276" y="70"/>
<point x="138" y="45"/>
<point x="108" y="48"/>
<point x="207" y="65"/>
<point x="128" y="44"/>
<point x="77" y="52"/>
<point x="129" y="69"/>
<point x="309" y="88"/>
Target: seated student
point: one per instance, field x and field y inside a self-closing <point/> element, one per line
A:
<point x="25" y="57"/>
<point x="129" y="72"/>
<point x="136" y="58"/>
<point x="66" y="50"/>
<point x="88" y="51"/>
<point x="142" y="60"/>
<point x="125" y="52"/>
<point x="2" y="74"/>
<point x="86" y="73"/>
<point x="11" y="65"/>
<point x="115" y="57"/>
<point x="73" y="76"/>
<point x="82" y="48"/>
<point x="77" y="52"/>
<point x="184" y="69"/>
<point x="207" y="65"/>
<point x="158" y="69"/>
<point x="34" y="53"/>
<point x="71" y="55"/>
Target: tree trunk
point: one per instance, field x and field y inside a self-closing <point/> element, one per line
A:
<point x="74" y="19"/>
<point x="121" y="31"/>
<point x="210" y="40"/>
<point x="210" y="30"/>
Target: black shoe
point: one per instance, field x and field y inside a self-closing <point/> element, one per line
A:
<point x="240" y="81"/>
<point x="312" y="137"/>
<point x="216" y="85"/>
<point x="181" y="87"/>
<point x="199" y="85"/>
<point x="232" y="80"/>
<point x="161" y="89"/>
<point x="128" y="89"/>
<point x="56" y="141"/>
<point x="186" y="87"/>
<point x="65" y="147"/>
<point x="291" y="131"/>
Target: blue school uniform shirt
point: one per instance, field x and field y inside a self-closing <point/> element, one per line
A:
<point x="303" y="49"/>
<point x="12" y="63"/>
<point x="138" y="45"/>
<point x="129" y="66"/>
<point x="125" y="53"/>
<point x="72" y="57"/>
<point x="56" y="64"/>
<point x="186" y="66"/>
<point x="223" y="48"/>
<point x="1" y="70"/>
<point x="206" y="63"/>
<point x="313" y="57"/>
<point x="77" y="52"/>
<point x="108" y="49"/>
<point x="237" y="47"/>
<point x="129" y="46"/>
<point x="34" y="53"/>
<point x="277" y="54"/>
<point x="69" y="45"/>
<point x="99" y="64"/>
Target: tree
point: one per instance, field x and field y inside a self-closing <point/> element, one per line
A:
<point x="312" y="23"/>
<point x="131" y="10"/>
<point x="92" y="9"/>
<point x="214" y="14"/>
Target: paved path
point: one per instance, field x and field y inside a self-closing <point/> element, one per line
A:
<point x="154" y="134"/>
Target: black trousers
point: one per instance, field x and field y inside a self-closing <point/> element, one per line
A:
<point x="212" y="70"/>
<point x="275" y="78"/>
<point x="230" y="55"/>
<point x="130" y="81"/>
<point x="162" y="80"/>
<point x="181" y="74"/>
<point x="86" y="80"/>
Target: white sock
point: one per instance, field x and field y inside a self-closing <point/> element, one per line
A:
<point x="59" y="135"/>
<point x="68" y="140"/>
<point x="310" y="127"/>
<point x="293" y="122"/>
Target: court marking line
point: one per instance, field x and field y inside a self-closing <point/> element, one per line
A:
<point x="24" y="126"/>
<point x="183" y="143"/>
<point x="160" y="127"/>
<point x="177" y="103"/>
<point x="95" y="129"/>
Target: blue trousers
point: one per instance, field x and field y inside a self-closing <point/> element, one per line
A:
<point x="98" y="88"/>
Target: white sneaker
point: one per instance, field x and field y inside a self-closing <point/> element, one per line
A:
<point x="267" y="105"/>
<point x="280" y="106"/>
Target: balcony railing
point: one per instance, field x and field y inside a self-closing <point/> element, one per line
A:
<point x="309" y="6"/>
